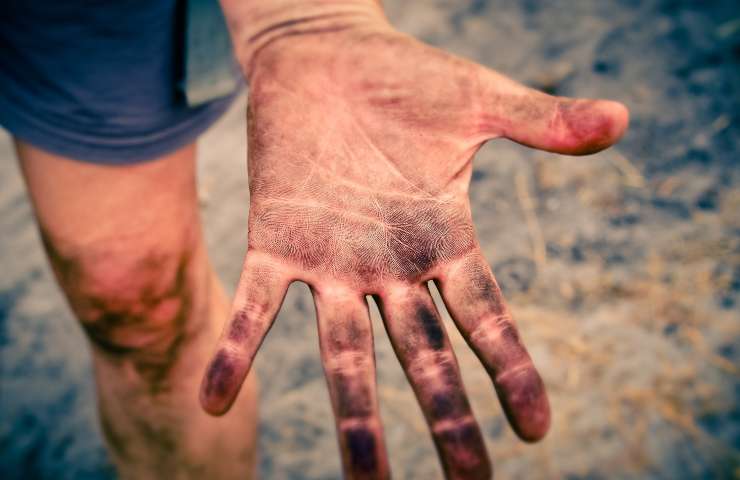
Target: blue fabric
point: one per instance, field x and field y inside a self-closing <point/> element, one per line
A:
<point x="98" y="81"/>
<point x="210" y="69"/>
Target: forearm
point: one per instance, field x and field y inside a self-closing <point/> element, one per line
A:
<point x="254" y="24"/>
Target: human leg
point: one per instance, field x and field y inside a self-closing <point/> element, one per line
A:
<point x="126" y="246"/>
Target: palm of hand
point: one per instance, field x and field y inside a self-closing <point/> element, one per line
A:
<point x="357" y="174"/>
<point x="359" y="163"/>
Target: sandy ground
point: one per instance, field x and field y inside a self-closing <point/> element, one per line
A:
<point x="623" y="269"/>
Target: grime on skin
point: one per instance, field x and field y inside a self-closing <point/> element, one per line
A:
<point x="359" y="170"/>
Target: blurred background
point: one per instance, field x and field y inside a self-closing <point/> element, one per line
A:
<point x="622" y="269"/>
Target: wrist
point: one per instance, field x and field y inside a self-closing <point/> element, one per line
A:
<point x="256" y="24"/>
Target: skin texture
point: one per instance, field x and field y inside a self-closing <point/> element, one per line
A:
<point x="361" y="142"/>
<point x="126" y="247"/>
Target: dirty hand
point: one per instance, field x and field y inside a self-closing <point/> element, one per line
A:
<point x="361" y="142"/>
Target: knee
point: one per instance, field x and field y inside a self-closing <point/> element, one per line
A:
<point x="133" y="301"/>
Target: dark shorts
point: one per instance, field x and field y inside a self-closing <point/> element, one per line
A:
<point x="113" y="82"/>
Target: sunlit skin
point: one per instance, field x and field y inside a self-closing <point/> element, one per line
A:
<point x="130" y="258"/>
<point x="361" y="142"/>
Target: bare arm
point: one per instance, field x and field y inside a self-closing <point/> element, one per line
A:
<point x="361" y="141"/>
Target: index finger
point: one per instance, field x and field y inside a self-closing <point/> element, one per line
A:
<point x="477" y="307"/>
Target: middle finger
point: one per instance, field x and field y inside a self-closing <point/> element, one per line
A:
<point x="421" y="344"/>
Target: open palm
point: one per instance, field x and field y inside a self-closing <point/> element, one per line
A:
<point x="360" y="153"/>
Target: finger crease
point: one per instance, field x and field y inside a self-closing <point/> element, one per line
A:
<point x="527" y="365"/>
<point x="490" y="325"/>
<point x="347" y="360"/>
<point x="442" y="426"/>
<point x="425" y="360"/>
<point x="370" y="422"/>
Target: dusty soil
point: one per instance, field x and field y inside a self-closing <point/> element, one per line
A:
<point x="623" y="269"/>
